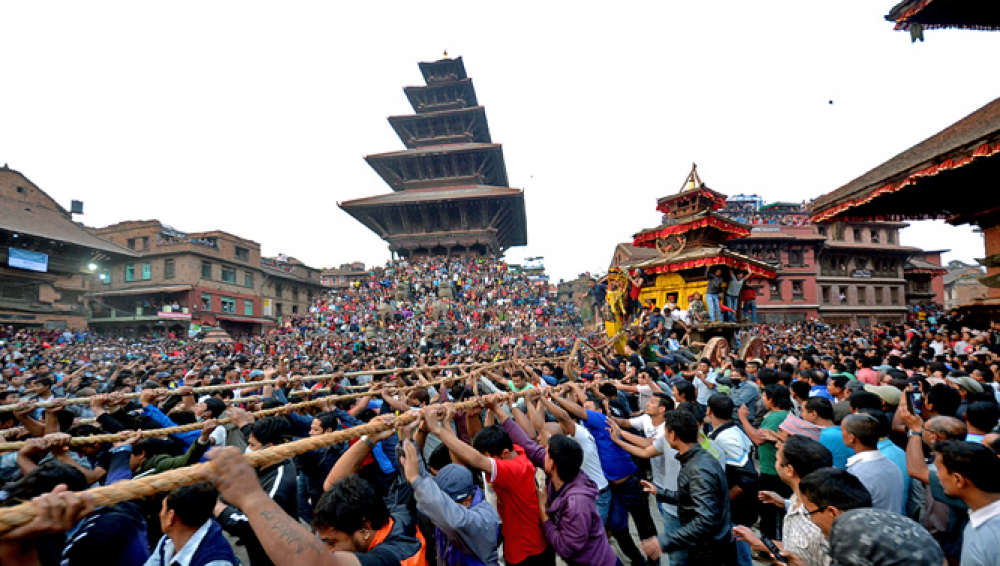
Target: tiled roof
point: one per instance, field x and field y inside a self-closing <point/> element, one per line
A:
<point x="966" y="133"/>
<point x="429" y="195"/>
<point x="43" y="222"/>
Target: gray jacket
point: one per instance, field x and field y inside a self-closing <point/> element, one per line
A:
<point x="473" y="530"/>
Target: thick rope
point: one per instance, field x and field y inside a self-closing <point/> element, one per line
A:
<point x="223" y="387"/>
<point x="13" y="517"/>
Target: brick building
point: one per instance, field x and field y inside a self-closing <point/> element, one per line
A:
<point x="177" y="280"/>
<point x="842" y="273"/>
<point x="963" y="285"/>
<point x="46" y="259"/>
<point x="340" y="278"/>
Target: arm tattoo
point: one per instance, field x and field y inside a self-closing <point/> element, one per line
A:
<point x="291" y="537"/>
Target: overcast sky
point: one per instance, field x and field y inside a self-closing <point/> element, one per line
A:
<point x="253" y="117"/>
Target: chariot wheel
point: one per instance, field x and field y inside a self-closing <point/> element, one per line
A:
<point x="716" y="350"/>
<point x="753" y="347"/>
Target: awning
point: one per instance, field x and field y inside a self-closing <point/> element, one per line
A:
<point x="244" y="319"/>
<point x="143" y="291"/>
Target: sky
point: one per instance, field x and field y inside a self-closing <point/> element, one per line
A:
<point x="254" y="117"/>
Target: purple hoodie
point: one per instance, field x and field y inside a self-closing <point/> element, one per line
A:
<point x="574" y="528"/>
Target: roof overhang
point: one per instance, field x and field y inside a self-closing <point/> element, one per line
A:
<point x="941" y="14"/>
<point x="142" y="291"/>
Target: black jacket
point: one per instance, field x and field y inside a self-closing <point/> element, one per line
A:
<point x="281" y="484"/>
<point x="702" y="500"/>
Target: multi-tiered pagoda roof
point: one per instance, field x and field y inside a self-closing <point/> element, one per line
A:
<point x="451" y="190"/>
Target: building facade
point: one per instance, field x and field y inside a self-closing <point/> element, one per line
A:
<point x="46" y="259"/>
<point x="962" y="285"/>
<point x="842" y="273"/>
<point x="181" y="281"/>
<point x="342" y="277"/>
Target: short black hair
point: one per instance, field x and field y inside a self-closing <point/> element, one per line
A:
<point x="805" y="455"/>
<point x="821" y="406"/>
<point x="865" y="400"/>
<point x="686" y="390"/>
<point x="839" y="380"/>
<point x="835" y="487"/>
<point x="977" y="463"/>
<point x="779" y="396"/>
<point x="271" y="430"/>
<point x="43" y="479"/>
<point x="327" y="420"/>
<point x="215" y="407"/>
<point x="608" y="390"/>
<point x="983" y="415"/>
<point x="683" y="424"/>
<point x="567" y="456"/>
<point x="865" y="427"/>
<point x="944" y="399"/>
<point x="721" y="406"/>
<point x="193" y="504"/>
<point x="347" y="505"/>
<point x="664" y="400"/>
<point x="440" y="457"/>
<point x="801" y="388"/>
<point x="492" y="440"/>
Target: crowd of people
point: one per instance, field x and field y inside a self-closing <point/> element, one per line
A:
<point x="506" y="433"/>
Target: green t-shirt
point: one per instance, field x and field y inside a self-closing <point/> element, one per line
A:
<point x="769" y="450"/>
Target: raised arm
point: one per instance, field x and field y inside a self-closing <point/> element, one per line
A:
<point x="465" y="453"/>
<point x="565" y="421"/>
<point x="571" y="407"/>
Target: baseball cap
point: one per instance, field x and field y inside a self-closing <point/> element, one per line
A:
<point x="887" y="393"/>
<point x="455" y="480"/>
<point x="966" y="383"/>
<point x="256" y="372"/>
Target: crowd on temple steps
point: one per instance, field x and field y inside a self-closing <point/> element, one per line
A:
<point x="837" y="446"/>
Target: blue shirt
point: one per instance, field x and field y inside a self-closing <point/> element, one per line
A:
<point x="832" y="438"/>
<point x="898" y="457"/>
<point x="615" y="460"/>
<point x="821" y="391"/>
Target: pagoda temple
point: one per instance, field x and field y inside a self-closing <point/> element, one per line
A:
<point x="691" y="239"/>
<point x="451" y="195"/>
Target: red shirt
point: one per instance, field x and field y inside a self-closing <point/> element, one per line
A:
<point x="517" y="504"/>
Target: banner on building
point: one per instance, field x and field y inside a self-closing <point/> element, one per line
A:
<point x="23" y="259"/>
<point x="267" y="307"/>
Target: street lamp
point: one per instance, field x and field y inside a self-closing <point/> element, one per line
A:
<point x="92" y="266"/>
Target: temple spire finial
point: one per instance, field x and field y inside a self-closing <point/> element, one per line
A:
<point x="445" y="54"/>
<point x="692" y="181"/>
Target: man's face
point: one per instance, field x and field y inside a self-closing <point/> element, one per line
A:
<point x="948" y="480"/>
<point x="833" y="389"/>
<point x="653" y="406"/>
<point x="822" y="518"/>
<point x="253" y="444"/>
<point x="316" y="428"/>
<point x="338" y="541"/>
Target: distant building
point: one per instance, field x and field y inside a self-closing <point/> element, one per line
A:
<point x="179" y="279"/>
<point x="46" y="259"/>
<point x="962" y="284"/>
<point x="341" y="278"/>
<point x="925" y="279"/>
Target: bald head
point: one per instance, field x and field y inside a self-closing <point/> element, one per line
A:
<point x="948" y="427"/>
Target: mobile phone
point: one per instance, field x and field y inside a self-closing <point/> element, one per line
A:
<point x="909" y="403"/>
<point x="774" y="550"/>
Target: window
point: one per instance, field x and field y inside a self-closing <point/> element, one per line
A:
<point x="278" y="310"/>
<point x="879" y="291"/>
<point x="228" y="274"/>
<point x="795" y="257"/>
<point x="206" y="270"/>
<point x="206" y="302"/>
<point x="295" y="309"/>
<point x="248" y="307"/>
<point x="857" y="234"/>
<point x="105" y="276"/>
<point x="168" y="268"/>
<point x="242" y="253"/>
<point x="775" y="290"/>
<point x="890" y="237"/>
<point x="821" y="230"/>
<point x="798" y="291"/>
<point x="824" y="294"/>
<point x="894" y="296"/>
<point x="295" y="294"/>
<point x="278" y="290"/>
<point x="875" y="237"/>
<point x="862" y="295"/>
<point x="130" y="273"/>
<point x="248" y="279"/>
<point x="147" y="271"/>
<point x="228" y="305"/>
<point x="131" y="243"/>
<point x="145" y="243"/>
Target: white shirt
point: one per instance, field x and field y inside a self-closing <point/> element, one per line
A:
<point x="704" y="391"/>
<point x="591" y="458"/>
<point x="671" y="468"/>
<point x="866" y="456"/>
<point x="983" y="514"/>
<point x="652" y="432"/>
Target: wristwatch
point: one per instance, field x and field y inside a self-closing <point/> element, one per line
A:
<point x="913" y="433"/>
<point x="367" y="441"/>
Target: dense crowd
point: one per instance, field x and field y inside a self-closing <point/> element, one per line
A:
<point x="540" y="444"/>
